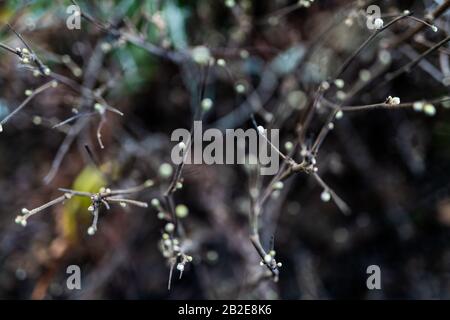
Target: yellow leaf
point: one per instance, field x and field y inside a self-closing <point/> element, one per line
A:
<point x="89" y="180"/>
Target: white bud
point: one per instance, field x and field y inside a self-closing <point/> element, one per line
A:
<point x="99" y="108"/>
<point x="418" y="106"/>
<point x="165" y="170"/>
<point x="395" y="101"/>
<point x="221" y="62"/>
<point x="180" y="267"/>
<point x="181" y="211"/>
<point x="201" y="55"/>
<point x="429" y="109"/>
<point x="155" y="203"/>
<point x="169" y="227"/>
<point x="240" y="88"/>
<point x="1" y="128"/>
<point x="339" y="114"/>
<point x="268" y="258"/>
<point x="161" y="215"/>
<point x="331" y="126"/>
<point x="91" y="208"/>
<point x="182" y="146"/>
<point x="434" y="28"/>
<point x="261" y="130"/>
<point x="25" y="211"/>
<point x="278" y="185"/>
<point x="339" y="83"/>
<point x="28" y="92"/>
<point x="288" y="145"/>
<point x="378" y="23"/>
<point x="325" y="85"/>
<point x="279" y="264"/>
<point x="91" y="231"/>
<point x="207" y="104"/>
<point x="325" y="196"/>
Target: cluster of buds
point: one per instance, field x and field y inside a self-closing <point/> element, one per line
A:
<point x="393" y="101"/>
<point x="309" y="160"/>
<point x="270" y="262"/>
<point x="27" y="57"/>
<point x="170" y="245"/>
<point x="105" y="197"/>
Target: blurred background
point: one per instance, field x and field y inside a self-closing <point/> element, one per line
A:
<point x="392" y="167"/>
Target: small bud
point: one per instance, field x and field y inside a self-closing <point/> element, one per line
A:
<point x="201" y="55"/>
<point x="288" y="145"/>
<point x="161" y="215"/>
<point x="325" y="85"/>
<point x="378" y="23"/>
<point x="325" y="196"/>
<point x="272" y="253"/>
<point x="155" y="203"/>
<point x="169" y="227"/>
<point x="418" y="106"/>
<point x="339" y="83"/>
<point x="123" y="204"/>
<point x="434" y="28"/>
<point x="91" y="231"/>
<point x="261" y="130"/>
<point x="54" y="84"/>
<point x="279" y="264"/>
<point x="395" y="100"/>
<point x="149" y="183"/>
<point x="221" y="62"/>
<point x="165" y="170"/>
<point x="47" y="71"/>
<point x="99" y="108"/>
<point x="91" y="208"/>
<point x="18" y="220"/>
<point x="28" y="92"/>
<point x="181" y="211"/>
<point x="207" y="104"/>
<point x="331" y="126"/>
<point x="230" y="3"/>
<point x="339" y="114"/>
<point x="180" y="267"/>
<point x="182" y="146"/>
<point x="1" y="128"/>
<point x="429" y="109"/>
<point x="341" y="95"/>
<point x="25" y="211"/>
<point x="240" y="88"/>
<point x="268" y="258"/>
<point x="278" y="185"/>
